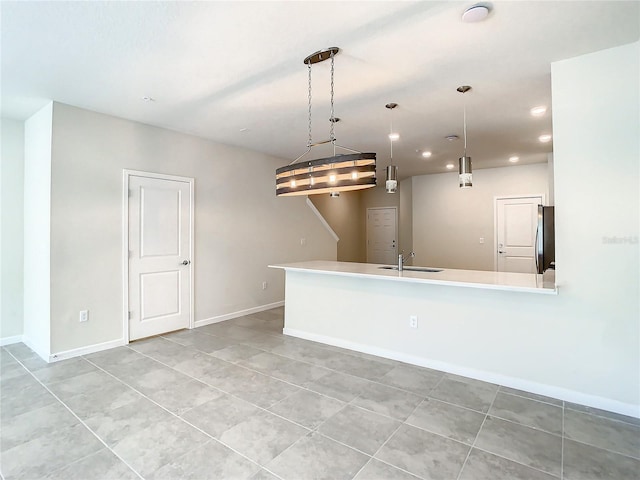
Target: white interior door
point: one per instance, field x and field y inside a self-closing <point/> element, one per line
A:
<point x="159" y="255"/>
<point x="382" y="235"/>
<point x="516" y="224"/>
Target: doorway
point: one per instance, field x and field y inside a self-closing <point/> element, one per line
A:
<point x="158" y="253"/>
<point x="516" y="222"/>
<point x="382" y="235"/>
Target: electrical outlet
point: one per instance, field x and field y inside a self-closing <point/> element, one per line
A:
<point x="481" y="240"/>
<point x="303" y="241"/>
<point x="413" y="321"/>
<point x="84" y="315"/>
<point x="264" y="285"/>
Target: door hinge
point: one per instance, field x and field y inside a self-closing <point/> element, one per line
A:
<point x="129" y="315"/>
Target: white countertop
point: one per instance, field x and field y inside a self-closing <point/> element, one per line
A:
<point x="517" y="282"/>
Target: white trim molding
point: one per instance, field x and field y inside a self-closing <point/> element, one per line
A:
<point x="77" y="352"/>
<point x="239" y="313"/>
<point x="322" y="220"/>
<point x="511" y="382"/>
<point x="10" y="340"/>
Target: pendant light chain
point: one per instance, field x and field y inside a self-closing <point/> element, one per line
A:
<point x="310" y="140"/>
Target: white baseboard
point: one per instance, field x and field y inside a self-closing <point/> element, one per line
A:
<point x="76" y="352"/>
<point x="511" y="382"/>
<point x="10" y="340"/>
<point x="240" y="313"/>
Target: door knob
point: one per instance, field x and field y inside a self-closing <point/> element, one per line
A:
<point x="501" y="251"/>
<point x="186" y="262"/>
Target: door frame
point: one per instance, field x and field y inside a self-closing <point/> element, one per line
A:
<point x="495" y="219"/>
<point x="126" y="177"/>
<point x="366" y="227"/>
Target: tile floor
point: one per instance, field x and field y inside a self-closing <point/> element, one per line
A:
<point x="239" y="400"/>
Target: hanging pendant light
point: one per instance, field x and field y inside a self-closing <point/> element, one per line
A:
<point x="464" y="162"/>
<point x="391" y="183"/>
<point x="339" y="173"/>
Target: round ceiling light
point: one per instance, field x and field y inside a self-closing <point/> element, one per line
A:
<point x="475" y="13"/>
<point x="538" y="111"/>
<point x="426" y="154"/>
<point x="450" y="166"/>
<point x="544" y="138"/>
<point x="514" y="159"/>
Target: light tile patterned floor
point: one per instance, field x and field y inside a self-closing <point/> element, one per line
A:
<point x="239" y="400"/>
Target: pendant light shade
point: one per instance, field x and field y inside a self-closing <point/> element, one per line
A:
<point x="391" y="184"/>
<point x="392" y="179"/>
<point x="465" y="176"/>
<point x="465" y="172"/>
<point x="338" y="173"/>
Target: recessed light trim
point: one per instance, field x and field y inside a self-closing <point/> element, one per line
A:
<point x="475" y="13"/>
<point x="514" y="159"/>
<point x="394" y="136"/>
<point x="538" y="111"/>
<point x="426" y="154"/>
<point x="546" y="138"/>
<point x="450" y="166"/>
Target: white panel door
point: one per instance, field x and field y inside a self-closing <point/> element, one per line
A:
<point x="382" y="234"/>
<point x="516" y="224"/>
<point x="159" y="256"/>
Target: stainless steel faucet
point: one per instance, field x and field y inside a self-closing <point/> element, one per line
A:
<point x="401" y="260"/>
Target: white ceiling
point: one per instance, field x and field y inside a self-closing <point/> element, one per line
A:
<point x="217" y="68"/>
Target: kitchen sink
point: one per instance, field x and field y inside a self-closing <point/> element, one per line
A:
<point x="412" y="269"/>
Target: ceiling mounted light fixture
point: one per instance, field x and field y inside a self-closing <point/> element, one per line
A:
<point x="464" y="162"/>
<point x="475" y="13"/>
<point x="339" y="173"/>
<point x="391" y="183"/>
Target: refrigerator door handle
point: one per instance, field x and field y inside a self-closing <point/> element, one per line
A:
<point x="537" y="252"/>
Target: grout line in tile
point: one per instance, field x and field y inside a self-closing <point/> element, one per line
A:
<point x="464" y="464"/>
<point x="529" y="398"/>
<point x="182" y="419"/>
<point x="78" y="418"/>
<point x="562" y="446"/>
<point x="515" y="461"/>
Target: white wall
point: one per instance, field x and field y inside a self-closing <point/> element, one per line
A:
<point x="343" y="214"/>
<point x="596" y="122"/>
<point x="405" y="216"/>
<point x="11" y="238"/>
<point x="448" y="221"/>
<point x="37" y="209"/>
<point x="240" y="225"/>
<point x="582" y="345"/>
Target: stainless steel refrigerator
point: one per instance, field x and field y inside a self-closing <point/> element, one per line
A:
<point x="545" y="239"/>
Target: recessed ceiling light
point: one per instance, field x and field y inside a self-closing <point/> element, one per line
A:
<point x="514" y="159"/>
<point x="426" y="154"/>
<point x="545" y="138"/>
<point x="475" y="13"/>
<point x="538" y="111"/>
<point x="148" y="99"/>
<point x="450" y="166"/>
<point x="452" y="138"/>
<point x="244" y="130"/>
<point x="394" y="136"/>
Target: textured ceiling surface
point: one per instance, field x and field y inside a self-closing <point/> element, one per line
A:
<point x="233" y="72"/>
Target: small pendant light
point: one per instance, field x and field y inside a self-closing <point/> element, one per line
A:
<point x="464" y="162"/>
<point x="391" y="184"/>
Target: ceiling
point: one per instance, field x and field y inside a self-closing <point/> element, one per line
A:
<point x="233" y="71"/>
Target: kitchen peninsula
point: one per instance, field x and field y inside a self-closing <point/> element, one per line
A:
<point x="485" y="325"/>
